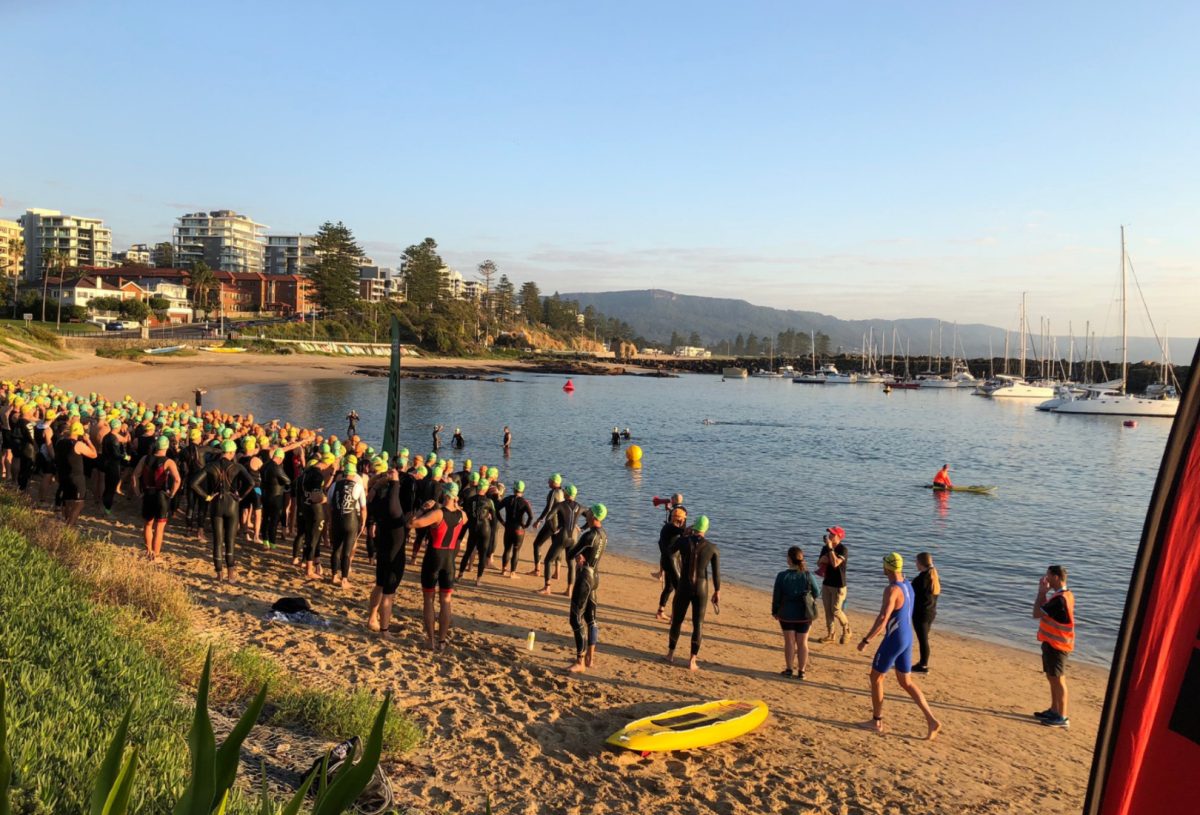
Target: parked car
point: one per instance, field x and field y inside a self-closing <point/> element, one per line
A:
<point x="112" y="325"/>
<point x="130" y="324"/>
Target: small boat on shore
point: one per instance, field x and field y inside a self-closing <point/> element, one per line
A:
<point x="170" y="349"/>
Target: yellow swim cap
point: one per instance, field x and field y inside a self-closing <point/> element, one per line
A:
<point x="893" y="562"/>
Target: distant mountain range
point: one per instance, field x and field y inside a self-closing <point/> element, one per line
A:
<point x="655" y="314"/>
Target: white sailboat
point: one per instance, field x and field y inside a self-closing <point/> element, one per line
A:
<point x="1014" y="387"/>
<point x="1117" y="402"/>
<point x="769" y="372"/>
<point x="815" y="377"/>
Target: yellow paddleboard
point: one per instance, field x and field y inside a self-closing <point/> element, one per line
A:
<point x="693" y="726"/>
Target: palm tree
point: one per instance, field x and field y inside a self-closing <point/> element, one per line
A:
<point x="203" y="282"/>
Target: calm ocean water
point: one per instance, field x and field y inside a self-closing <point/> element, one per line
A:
<point x="783" y="461"/>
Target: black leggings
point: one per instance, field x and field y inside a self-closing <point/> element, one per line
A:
<point x="670" y="578"/>
<point x="312" y="524"/>
<point x="224" y="531"/>
<point x="513" y="539"/>
<point x="544" y="534"/>
<point x="112" y="477"/>
<point x="559" y="545"/>
<point x="921" y="626"/>
<point x="389" y="557"/>
<point x="24" y="471"/>
<point x="341" y="539"/>
<point x="477" y="543"/>
<point x="697" y="600"/>
<point x="583" y="610"/>
<point x="272" y="514"/>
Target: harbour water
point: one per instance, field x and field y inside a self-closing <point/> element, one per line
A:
<point x="780" y="462"/>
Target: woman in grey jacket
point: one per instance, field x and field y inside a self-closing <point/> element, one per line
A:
<point x="794" y="604"/>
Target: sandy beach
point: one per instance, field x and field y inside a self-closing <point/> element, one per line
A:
<point x="505" y="722"/>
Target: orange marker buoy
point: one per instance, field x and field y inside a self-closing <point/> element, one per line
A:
<point x="569" y="387"/>
<point x="1130" y="423"/>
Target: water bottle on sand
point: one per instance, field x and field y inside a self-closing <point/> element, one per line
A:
<point x="529" y="641"/>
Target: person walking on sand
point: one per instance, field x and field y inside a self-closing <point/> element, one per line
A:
<point x="446" y="523"/>
<point x="585" y="554"/>
<point x="555" y="496"/>
<point x="794" y="605"/>
<point x="895" y="651"/>
<point x="926" y="588"/>
<point x="156" y="479"/>
<point x="516" y="515"/>
<point x="697" y="555"/>
<point x="1054" y="609"/>
<point x="831" y="565"/>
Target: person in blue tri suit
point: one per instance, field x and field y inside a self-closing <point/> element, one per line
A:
<point x="895" y="652"/>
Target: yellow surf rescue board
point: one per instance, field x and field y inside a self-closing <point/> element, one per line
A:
<point x="693" y="726"/>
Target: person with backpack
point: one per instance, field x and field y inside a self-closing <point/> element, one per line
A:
<point x="348" y="517"/>
<point x="156" y="479"/>
<point x="794" y="605"/>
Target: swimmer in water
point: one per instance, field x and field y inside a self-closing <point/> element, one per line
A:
<point x="458" y="442"/>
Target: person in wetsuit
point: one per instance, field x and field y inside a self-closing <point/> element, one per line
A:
<point x="437" y="438"/>
<point x="895" y="651"/>
<point x="275" y="485"/>
<point x="156" y="479"/>
<point x="223" y="483"/>
<point x="352" y="424"/>
<point x="616" y="437"/>
<point x="252" y="504"/>
<point x="668" y="561"/>
<point x="516" y="515"/>
<point x="481" y="511"/>
<point x="697" y="555"/>
<point x="391" y="537"/>
<point x="586" y="554"/>
<point x="437" y="569"/>
<point x="549" y="517"/>
<point x="310" y="523"/>
<point x="69" y="453"/>
<point x="348" y="516"/>
<point x="112" y="455"/>
<point x="24" y="435"/>
<point x="567" y="514"/>
<point x="506" y="441"/>
<point x="458" y="441"/>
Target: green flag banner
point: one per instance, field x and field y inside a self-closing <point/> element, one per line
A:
<point x="391" y="428"/>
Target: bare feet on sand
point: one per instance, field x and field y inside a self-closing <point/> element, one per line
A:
<point x="874" y="724"/>
<point x="693" y="665"/>
<point x="576" y="667"/>
<point x="935" y="727"/>
<point x="661" y="615"/>
<point x="544" y="590"/>
<point x="373" y="623"/>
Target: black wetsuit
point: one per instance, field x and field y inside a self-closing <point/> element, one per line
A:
<point x="548" y="519"/>
<point x="25" y="450"/>
<point x="458" y="441"/>
<point x="226" y="482"/>
<point x="112" y="455"/>
<point x="275" y="484"/>
<point x="616" y="438"/>
<point x="583" y="597"/>
<point x="567" y="513"/>
<point x="71" y="482"/>
<point x="481" y="511"/>
<point x="311" y="516"/>
<point x="924" y="612"/>
<point x="516" y="515"/>
<point x="391" y="535"/>
<point x="346" y="520"/>
<point x="696" y="554"/>
<point x="424" y="489"/>
<point x="668" y="561"/>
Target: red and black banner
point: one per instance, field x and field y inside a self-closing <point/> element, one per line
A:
<point x="1147" y="757"/>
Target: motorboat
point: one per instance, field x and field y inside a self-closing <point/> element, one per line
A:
<point x="835" y="377"/>
<point x="1012" y="387"/>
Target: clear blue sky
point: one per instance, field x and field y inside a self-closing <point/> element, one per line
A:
<point x="861" y="159"/>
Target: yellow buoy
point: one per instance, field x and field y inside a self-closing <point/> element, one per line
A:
<point x="633" y="455"/>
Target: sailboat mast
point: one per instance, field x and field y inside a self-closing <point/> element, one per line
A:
<point x="1124" y="322"/>
<point x="1022" y="371"/>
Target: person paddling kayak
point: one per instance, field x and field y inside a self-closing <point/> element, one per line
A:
<point x="941" y="481"/>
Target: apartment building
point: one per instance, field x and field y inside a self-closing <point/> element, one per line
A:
<point x="12" y="249"/>
<point x="377" y="283"/>
<point x="222" y="239"/>
<point x="290" y="254"/>
<point x="136" y="255"/>
<point x="80" y="241"/>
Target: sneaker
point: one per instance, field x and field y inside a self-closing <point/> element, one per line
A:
<point x="920" y="669"/>
<point x="1057" y="721"/>
<point x="786" y="672"/>
<point x="1045" y="714"/>
<point x="845" y="636"/>
<point x="799" y="674"/>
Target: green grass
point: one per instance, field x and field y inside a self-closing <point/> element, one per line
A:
<point x="71" y="674"/>
<point x="51" y="326"/>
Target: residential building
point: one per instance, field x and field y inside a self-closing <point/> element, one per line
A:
<point x="473" y="290"/>
<point x="378" y="283"/>
<point x="162" y="256"/>
<point x="136" y="255"/>
<point x="80" y="241"/>
<point x="692" y="351"/>
<point x="452" y="282"/>
<point x="289" y="254"/>
<point x="81" y="291"/>
<point x="222" y="239"/>
<point x="12" y="249"/>
<point x="237" y="292"/>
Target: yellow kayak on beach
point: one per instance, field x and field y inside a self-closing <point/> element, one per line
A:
<point x="224" y="350"/>
<point x="693" y="726"/>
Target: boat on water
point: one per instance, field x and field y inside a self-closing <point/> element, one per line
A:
<point x="1014" y="387"/>
<point x="1101" y="401"/>
<point x="1066" y="391"/>
<point x="835" y="377"/>
<point x="932" y="381"/>
<point x="734" y="373"/>
<point x="816" y="376"/>
<point x="767" y="374"/>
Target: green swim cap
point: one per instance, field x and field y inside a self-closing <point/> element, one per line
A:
<point x="325" y="448"/>
<point x="229" y="446"/>
<point x="351" y="463"/>
<point x="278" y="453"/>
<point x="572" y="491"/>
<point x="701" y="524"/>
<point x="422" y="472"/>
<point x="519" y="486"/>
<point x="431" y="458"/>
<point x="227" y="433"/>
<point x="162" y="443"/>
<point x="599" y="511"/>
<point x="474" y="479"/>
<point x="403" y="452"/>
<point x="556" y="479"/>
<point x="450" y="490"/>
<point x="493" y="473"/>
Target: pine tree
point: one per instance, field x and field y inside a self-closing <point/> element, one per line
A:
<point x="422" y="270"/>
<point x="531" y="302"/>
<point x="504" y="300"/>
<point x="335" y="272"/>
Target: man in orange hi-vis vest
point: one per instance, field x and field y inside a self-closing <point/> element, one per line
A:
<point x="1054" y="609"/>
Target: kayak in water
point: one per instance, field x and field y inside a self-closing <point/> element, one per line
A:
<point x="979" y="489"/>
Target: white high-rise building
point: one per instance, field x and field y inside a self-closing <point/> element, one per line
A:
<point x="12" y="249"/>
<point x="290" y="254"/>
<point x="77" y="240"/>
<point x="137" y="255"/>
<point x="222" y="239"/>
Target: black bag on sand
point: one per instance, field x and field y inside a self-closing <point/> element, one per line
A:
<point x="291" y="605"/>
